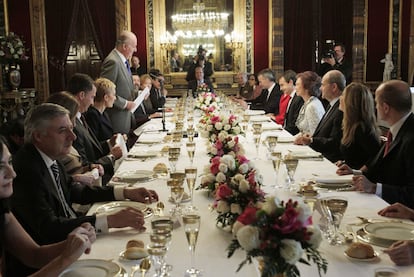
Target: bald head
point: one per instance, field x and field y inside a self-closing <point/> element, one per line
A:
<point x="396" y="94"/>
<point x="333" y="83"/>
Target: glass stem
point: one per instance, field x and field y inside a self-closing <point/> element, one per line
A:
<point x="192" y="250"/>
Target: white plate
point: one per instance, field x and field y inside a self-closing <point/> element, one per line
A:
<point x="142" y="154"/>
<point x="372" y="259"/>
<point x="134" y="176"/>
<point x="119" y="205"/>
<point x="334" y="179"/>
<point x="362" y="236"/>
<point x="254" y="112"/>
<point x="390" y="230"/>
<point x="125" y="259"/>
<point x="91" y="267"/>
<point x="285" y="139"/>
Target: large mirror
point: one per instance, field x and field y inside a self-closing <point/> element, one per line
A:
<point x="222" y="27"/>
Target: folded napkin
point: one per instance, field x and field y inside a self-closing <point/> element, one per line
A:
<point x="334" y="179"/>
<point x="306" y="154"/>
<point x="271" y="126"/>
<point x="254" y="112"/>
<point x="260" y="118"/>
<point x="150" y="138"/>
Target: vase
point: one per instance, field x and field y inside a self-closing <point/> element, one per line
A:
<point x="11" y="77"/>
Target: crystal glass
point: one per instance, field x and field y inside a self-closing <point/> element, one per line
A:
<point x="191" y="228"/>
<point x="256" y="138"/>
<point x="271" y="142"/>
<point x="177" y="193"/>
<point x="291" y="165"/>
<point x="173" y="154"/>
<point x="257" y="127"/>
<point x="162" y="223"/>
<point x="177" y="136"/>
<point x="190" y="134"/>
<point x="276" y="158"/>
<point x="243" y="125"/>
<point x="336" y="207"/>
<point x="190" y="151"/>
<point x="191" y="176"/>
<point x="157" y="253"/>
<point x="190" y="122"/>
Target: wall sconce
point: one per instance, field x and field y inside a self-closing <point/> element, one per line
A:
<point x="168" y="43"/>
<point x="234" y="41"/>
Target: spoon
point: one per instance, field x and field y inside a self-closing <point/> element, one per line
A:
<point x="160" y="208"/>
<point x="134" y="269"/>
<point x="144" y="266"/>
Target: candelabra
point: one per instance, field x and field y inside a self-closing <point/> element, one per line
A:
<point x="234" y="42"/>
<point x="167" y="44"/>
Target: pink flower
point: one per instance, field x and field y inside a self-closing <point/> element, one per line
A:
<point x="242" y="159"/>
<point x="248" y="216"/>
<point x="223" y="191"/>
<point x="289" y="222"/>
<point x="218" y="144"/>
<point x="251" y="177"/>
<point x="215" y="119"/>
<point x="215" y="163"/>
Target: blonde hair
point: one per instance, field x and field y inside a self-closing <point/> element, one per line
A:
<point x="103" y="86"/>
<point x="359" y="110"/>
<point x="143" y="78"/>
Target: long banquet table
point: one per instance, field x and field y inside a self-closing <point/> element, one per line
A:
<point x="211" y="254"/>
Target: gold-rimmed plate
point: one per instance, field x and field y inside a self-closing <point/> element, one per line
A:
<point x="123" y="258"/>
<point x="364" y="237"/>
<point x="134" y="176"/>
<point x="393" y="231"/>
<point x="375" y="258"/>
<point x="92" y="267"/>
<point x="119" y="205"/>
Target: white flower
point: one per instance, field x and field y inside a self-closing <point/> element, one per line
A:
<point x="218" y="125"/>
<point x="316" y="237"/>
<point x="270" y="205"/>
<point x="229" y="161"/>
<point x="213" y="151"/>
<point x="244" y="186"/>
<point x="231" y="144"/>
<point x="227" y="127"/>
<point x="221" y="178"/>
<point x="222" y="207"/>
<point x="236" y="130"/>
<point x="236" y="227"/>
<point x="291" y="251"/>
<point x="235" y="208"/>
<point x="238" y="177"/>
<point x="304" y="211"/>
<point x="243" y="168"/>
<point x="248" y="237"/>
<point x="209" y="128"/>
<point x="222" y="136"/>
<point x="223" y="168"/>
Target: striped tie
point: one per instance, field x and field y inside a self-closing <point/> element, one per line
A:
<point x="68" y="211"/>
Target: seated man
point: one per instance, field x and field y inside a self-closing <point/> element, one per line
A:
<point x="43" y="193"/>
<point x="199" y="83"/>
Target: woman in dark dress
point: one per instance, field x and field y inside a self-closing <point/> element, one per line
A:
<point x="360" y="140"/>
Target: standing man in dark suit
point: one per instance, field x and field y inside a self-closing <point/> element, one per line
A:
<point x="328" y="134"/>
<point x="390" y="174"/>
<point x="116" y="68"/>
<point x="43" y="193"/>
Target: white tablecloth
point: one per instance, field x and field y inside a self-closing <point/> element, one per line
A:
<point x="211" y="254"/>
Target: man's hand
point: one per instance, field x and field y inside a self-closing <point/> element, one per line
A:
<point x="401" y="252"/>
<point x="361" y="183"/>
<point x="344" y="169"/>
<point x="116" y="151"/>
<point x="128" y="217"/>
<point x="141" y="195"/>
<point x="397" y="210"/>
<point x="130" y="105"/>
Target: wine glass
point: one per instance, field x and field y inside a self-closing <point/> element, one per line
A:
<point x="177" y="193"/>
<point x="191" y="176"/>
<point x="173" y="154"/>
<point x="190" y="151"/>
<point x="271" y="142"/>
<point x="256" y="138"/>
<point x="190" y="122"/>
<point x="336" y="207"/>
<point x="191" y="227"/>
<point x="291" y="165"/>
<point x="190" y="134"/>
<point x="177" y="136"/>
<point x="157" y="253"/>
<point x="257" y="127"/>
<point x="276" y="158"/>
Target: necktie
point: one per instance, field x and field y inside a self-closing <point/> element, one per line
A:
<point x="268" y="95"/>
<point x="68" y="211"/>
<point x="388" y="143"/>
<point x="127" y="66"/>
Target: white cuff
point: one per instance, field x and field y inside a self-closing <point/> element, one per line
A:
<point x="378" y="190"/>
<point x="101" y="223"/>
<point x="119" y="192"/>
<point x="356" y="172"/>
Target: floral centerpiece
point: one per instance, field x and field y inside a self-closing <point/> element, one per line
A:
<point x="12" y="50"/>
<point x="279" y="233"/>
<point x="214" y="124"/>
<point x="225" y="145"/>
<point x="207" y="101"/>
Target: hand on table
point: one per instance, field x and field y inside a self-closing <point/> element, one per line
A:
<point x="343" y="169"/>
<point x="141" y="195"/>
<point x="362" y="183"/>
<point x="401" y="252"/>
<point x="128" y="217"/>
<point x="79" y="241"/>
<point x="397" y="210"/>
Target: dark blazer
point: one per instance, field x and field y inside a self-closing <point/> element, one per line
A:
<point x="157" y="100"/>
<point x="365" y="146"/>
<point x="92" y="150"/>
<point x="99" y="123"/>
<point x="270" y="105"/>
<point x="193" y="86"/>
<point x="292" y="114"/>
<point x="328" y="134"/>
<point x="115" y="70"/>
<point x="395" y="171"/>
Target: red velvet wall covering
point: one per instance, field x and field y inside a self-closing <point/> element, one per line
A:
<point x="261" y="35"/>
<point x="405" y="38"/>
<point x="138" y="26"/>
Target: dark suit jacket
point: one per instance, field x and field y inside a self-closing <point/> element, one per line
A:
<point x="363" y="149"/>
<point x="395" y="171"/>
<point x="193" y="86"/>
<point x="327" y="136"/>
<point x="100" y="124"/>
<point x="292" y="114"/>
<point x="92" y="150"/>
<point x="270" y="105"/>
<point x="157" y="100"/>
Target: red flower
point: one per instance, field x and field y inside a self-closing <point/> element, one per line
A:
<point x="251" y="177"/>
<point x="223" y="191"/>
<point x="248" y="216"/>
<point x="215" y="163"/>
<point x="242" y="159"/>
<point x="289" y="222"/>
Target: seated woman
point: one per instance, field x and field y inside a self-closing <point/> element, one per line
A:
<point x="360" y="139"/>
<point x="52" y="259"/>
<point x="254" y="84"/>
<point x="312" y="111"/>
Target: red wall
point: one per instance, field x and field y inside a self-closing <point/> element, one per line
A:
<point x="138" y="16"/>
<point x="261" y="37"/>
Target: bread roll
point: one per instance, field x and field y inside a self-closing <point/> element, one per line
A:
<point x="134" y="253"/>
<point x="360" y="250"/>
<point x="134" y="243"/>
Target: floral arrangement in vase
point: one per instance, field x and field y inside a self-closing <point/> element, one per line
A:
<point x="12" y="49"/>
<point x="278" y="233"/>
<point x="207" y="101"/>
<point x="211" y="126"/>
<point x="224" y="145"/>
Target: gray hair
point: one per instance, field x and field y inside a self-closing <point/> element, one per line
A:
<point x="268" y="74"/>
<point x="336" y="77"/>
<point x="39" y="117"/>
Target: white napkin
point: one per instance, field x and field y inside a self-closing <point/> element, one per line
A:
<point x="334" y="179"/>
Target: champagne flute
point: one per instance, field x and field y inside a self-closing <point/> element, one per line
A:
<point x="173" y="154"/>
<point x="191" y="176"/>
<point x="257" y="127"/>
<point x="291" y="165"/>
<point x="271" y="142"/>
<point x="276" y="158"/>
<point x="191" y="227"/>
<point x="190" y="151"/>
<point x="256" y="138"/>
<point x="336" y="205"/>
<point x="190" y="134"/>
